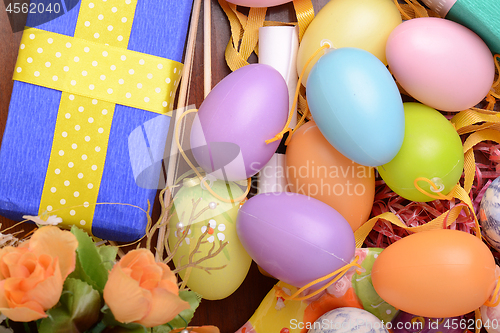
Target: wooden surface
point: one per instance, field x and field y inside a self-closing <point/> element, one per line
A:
<point x="228" y="314"/>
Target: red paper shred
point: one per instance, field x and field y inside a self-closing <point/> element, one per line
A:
<point x="384" y="233"/>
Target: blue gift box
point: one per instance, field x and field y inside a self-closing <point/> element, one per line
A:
<point x="159" y="28"/>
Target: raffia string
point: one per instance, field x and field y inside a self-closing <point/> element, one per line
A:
<point x="494" y="300"/>
<point x="195" y="170"/>
<point x="338" y="274"/>
<point x="413" y="9"/>
<point x="245" y="29"/>
<point x="287" y="128"/>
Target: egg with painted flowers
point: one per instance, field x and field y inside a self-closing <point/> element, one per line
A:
<point x="363" y="286"/>
<point x="202" y="224"/>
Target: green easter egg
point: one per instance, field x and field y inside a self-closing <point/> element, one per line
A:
<point x="362" y="284"/>
<point x="219" y="218"/>
<point x="431" y="149"/>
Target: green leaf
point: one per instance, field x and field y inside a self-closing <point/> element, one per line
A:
<point x="99" y="328"/>
<point x="182" y="320"/>
<point x="162" y="329"/>
<point x="79" y="274"/>
<point x="108" y="255"/>
<point x="194" y="300"/>
<point x="77" y="311"/>
<point x="89" y="266"/>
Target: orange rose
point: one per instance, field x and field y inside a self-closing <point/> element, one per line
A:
<point x="32" y="275"/>
<point x="140" y="290"/>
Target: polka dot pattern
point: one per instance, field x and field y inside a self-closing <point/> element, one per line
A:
<point x="101" y="72"/>
<point x="70" y="175"/>
<point x="95" y="64"/>
<point x="105" y="18"/>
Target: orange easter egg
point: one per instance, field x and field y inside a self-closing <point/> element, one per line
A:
<point x="437" y="273"/>
<point x="316" y="169"/>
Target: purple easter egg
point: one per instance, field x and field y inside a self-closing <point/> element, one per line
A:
<point x="293" y="237"/>
<point x="246" y="108"/>
<point x="407" y="323"/>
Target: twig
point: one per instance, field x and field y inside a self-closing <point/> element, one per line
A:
<point x="186" y="73"/>
<point x="161" y="223"/>
<point x="193" y="217"/>
<point x="196" y="250"/>
<point x="170" y="254"/>
<point x="177" y="244"/>
<point x="211" y="254"/>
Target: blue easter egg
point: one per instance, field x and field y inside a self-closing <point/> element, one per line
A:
<point x="489" y="214"/>
<point x="357" y="105"/>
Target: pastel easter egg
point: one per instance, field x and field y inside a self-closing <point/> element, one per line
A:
<point x="431" y="149"/>
<point x="440" y="63"/>
<point x="365" y="24"/>
<point x="295" y="238"/>
<point x="357" y="105"/>
<point x="316" y="169"/>
<point x="489" y="214"/>
<point x="246" y="108"/>
<point x="407" y="323"/>
<point x="437" y="273"/>
<point x="258" y="3"/>
<point x="344" y="320"/>
<point x="363" y="286"/>
<point x="215" y="226"/>
<point x="490" y="315"/>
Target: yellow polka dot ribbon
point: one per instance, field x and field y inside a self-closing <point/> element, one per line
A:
<point x="97" y="71"/>
<point x="94" y="70"/>
<point x="77" y="159"/>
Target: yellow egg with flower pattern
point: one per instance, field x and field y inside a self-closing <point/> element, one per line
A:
<point x="204" y="226"/>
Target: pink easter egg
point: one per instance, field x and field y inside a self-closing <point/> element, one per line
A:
<point x="440" y="63"/>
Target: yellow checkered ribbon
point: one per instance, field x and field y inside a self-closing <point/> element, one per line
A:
<point x="95" y="71"/>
